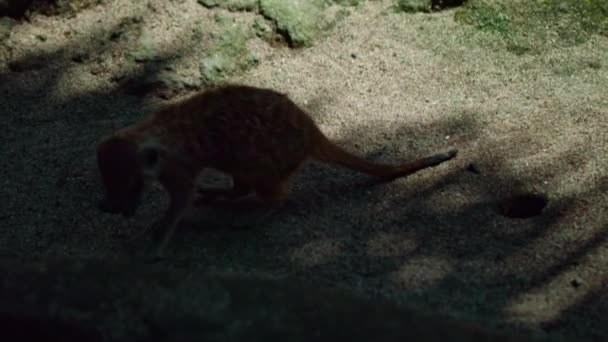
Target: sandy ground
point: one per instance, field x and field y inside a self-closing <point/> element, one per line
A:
<point x="390" y="86"/>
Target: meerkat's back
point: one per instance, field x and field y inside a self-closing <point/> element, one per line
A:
<point x="253" y="130"/>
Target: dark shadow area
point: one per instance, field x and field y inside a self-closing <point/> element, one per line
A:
<point x="26" y="328"/>
<point x="110" y="300"/>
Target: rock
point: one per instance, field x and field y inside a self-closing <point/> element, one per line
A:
<point x="80" y="56"/>
<point x="228" y="56"/>
<point x="299" y="20"/>
<point x="347" y="2"/>
<point x="125" y="25"/>
<point x="231" y="5"/>
<point x="146" y="50"/>
<point x="262" y="29"/>
<point x="413" y="6"/>
<point x="576" y="282"/>
<point x="472" y="167"/>
<point x="438" y="5"/>
<point x="426" y="5"/>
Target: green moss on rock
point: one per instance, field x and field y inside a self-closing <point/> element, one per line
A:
<point x="262" y="29"/>
<point x="68" y="7"/>
<point x="146" y="50"/>
<point x="228" y="56"/>
<point x="413" y="6"/>
<point x="299" y="20"/>
<point x="76" y="5"/>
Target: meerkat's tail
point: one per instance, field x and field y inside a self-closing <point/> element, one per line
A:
<point x="328" y="152"/>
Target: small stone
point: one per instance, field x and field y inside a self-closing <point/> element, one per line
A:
<point x="80" y="57"/>
<point x="576" y="282"/>
<point x="445" y="4"/>
<point x="473" y="168"/>
<point x="261" y="28"/>
<point x="353" y="55"/>
<point x="97" y="69"/>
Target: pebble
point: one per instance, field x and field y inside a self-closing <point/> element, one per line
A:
<point x="576" y="282"/>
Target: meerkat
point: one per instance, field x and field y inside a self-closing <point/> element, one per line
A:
<point x="257" y="136"/>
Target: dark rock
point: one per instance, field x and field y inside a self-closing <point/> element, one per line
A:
<point x="473" y="168"/>
<point x="444" y="4"/>
<point x="576" y="282"/>
<point x="80" y="56"/>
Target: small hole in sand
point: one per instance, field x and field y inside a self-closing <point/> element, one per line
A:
<point x="523" y="206"/>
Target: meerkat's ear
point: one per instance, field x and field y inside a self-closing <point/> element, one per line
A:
<point x="149" y="154"/>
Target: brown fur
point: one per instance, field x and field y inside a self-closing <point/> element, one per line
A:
<point x="258" y="136"/>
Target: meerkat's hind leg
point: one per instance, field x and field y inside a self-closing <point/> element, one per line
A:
<point x="272" y="197"/>
<point x="269" y="197"/>
<point x="272" y="193"/>
<point x="253" y="199"/>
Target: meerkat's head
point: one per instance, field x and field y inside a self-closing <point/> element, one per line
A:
<point x="123" y="166"/>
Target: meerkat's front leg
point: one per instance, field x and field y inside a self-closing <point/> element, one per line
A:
<point x="181" y="189"/>
<point x="163" y="229"/>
